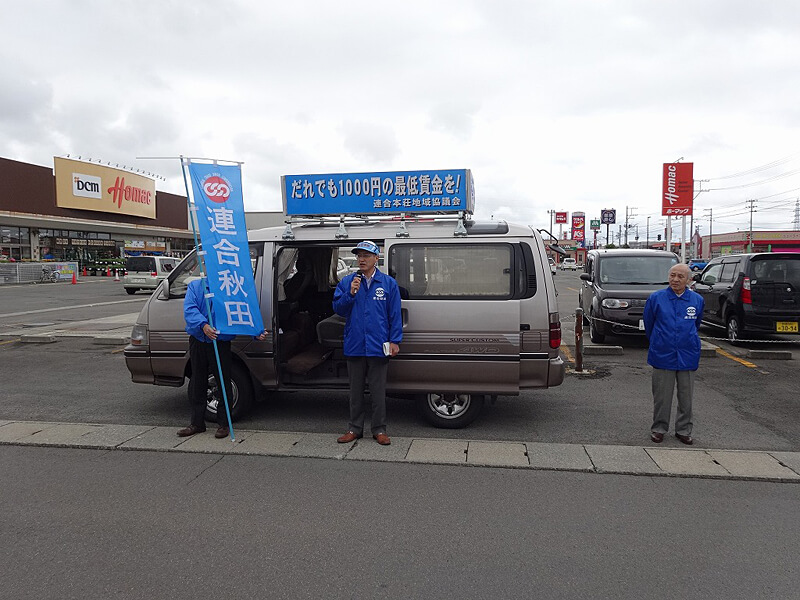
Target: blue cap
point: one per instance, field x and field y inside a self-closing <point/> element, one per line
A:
<point x="368" y="246"/>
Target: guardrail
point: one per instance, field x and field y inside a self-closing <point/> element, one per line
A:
<point x="37" y="272"/>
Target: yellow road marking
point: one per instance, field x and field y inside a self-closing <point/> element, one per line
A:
<point x="9" y="342"/>
<point x="742" y="361"/>
<point x="572" y="289"/>
<point x="118" y="351"/>
<point x="567" y="353"/>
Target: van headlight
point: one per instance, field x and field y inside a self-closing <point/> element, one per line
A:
<point x="615" y="303"/>
<point x="139" y="335"/>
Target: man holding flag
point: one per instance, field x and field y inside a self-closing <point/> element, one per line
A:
<point x="223" y="303"/>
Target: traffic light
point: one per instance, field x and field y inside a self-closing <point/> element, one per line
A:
<point x="659" y="237"/>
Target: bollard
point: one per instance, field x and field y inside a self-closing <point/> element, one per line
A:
<point x="579" y="340"/>
<point x="108" y="271"/>
<point x="74" y="277"/>
<point x="84" y="271"/>
<point x="116" y="274"/>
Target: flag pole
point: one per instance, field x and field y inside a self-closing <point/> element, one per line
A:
<point x="206" y="294"/>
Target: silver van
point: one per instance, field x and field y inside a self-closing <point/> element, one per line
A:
<point x="478" y="307"/>
<point x="146" y="272"/>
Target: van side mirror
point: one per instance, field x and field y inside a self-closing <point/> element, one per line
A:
<point x="586" y="276"/>
<point x="697" y="276"/>
<point x="163" y="290"/>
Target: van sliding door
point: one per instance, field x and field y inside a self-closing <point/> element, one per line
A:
<point x="460" y="317"/>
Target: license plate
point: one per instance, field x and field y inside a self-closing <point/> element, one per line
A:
<point x="135" y="280"/>
<point x="786" y="327"/>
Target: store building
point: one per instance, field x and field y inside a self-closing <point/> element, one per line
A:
<point x="739" y="242"/>
<point x="86" y="212"/>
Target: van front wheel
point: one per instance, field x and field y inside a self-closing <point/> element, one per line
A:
<point x="242" y="392"/>
<point x="450" y="411"/>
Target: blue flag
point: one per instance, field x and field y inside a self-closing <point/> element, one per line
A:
<point x="217" y="191"/>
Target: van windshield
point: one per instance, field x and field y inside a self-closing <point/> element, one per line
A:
<point x="181" y="275"/>
<point x="636" y="270"/>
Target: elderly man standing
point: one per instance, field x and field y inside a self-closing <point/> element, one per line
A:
<point x="370" y="301"/>
<point x="671" y="319"/>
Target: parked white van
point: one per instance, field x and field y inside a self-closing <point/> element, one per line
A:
<point x="146" y="272"/>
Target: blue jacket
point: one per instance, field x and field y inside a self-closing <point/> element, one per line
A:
<point x="373" y="315"/>
<point x="196" y="315"/>
<point x="671" y="325"/>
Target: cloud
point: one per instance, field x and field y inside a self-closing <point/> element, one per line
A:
<point x="374" y="144"/>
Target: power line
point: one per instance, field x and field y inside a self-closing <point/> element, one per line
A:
<point x="755" y="183"/>
<point x="766" y="167"/>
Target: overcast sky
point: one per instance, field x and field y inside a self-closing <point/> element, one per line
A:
<point x="554" y="105"/>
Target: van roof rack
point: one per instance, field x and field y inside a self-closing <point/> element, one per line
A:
<point x="464" y="225"/>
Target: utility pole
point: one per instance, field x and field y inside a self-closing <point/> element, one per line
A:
<point x="796" y="221"/>
<point x="551" y="213"/>
<point x="710" y="233"/>
<point x="750" y="234"/>
<point x="628" y="215"/>
<point x="648" y="231"/>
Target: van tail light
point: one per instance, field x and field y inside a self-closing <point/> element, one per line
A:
<point x="555" y="331"/>
<point x="153" y="274"/>
<point x="746" y="297"/>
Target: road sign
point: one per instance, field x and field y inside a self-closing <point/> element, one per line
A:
<point x="608" y="216"/>
<point x="594" y="224"/>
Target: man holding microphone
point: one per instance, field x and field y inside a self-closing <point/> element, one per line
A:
<point x="370" y="301"/>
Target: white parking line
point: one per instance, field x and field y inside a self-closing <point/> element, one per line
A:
<point x="44" y="310"/>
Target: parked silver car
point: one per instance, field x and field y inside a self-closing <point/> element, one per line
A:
<point x="146" y="272"/>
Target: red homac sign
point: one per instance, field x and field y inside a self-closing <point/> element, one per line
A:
<point x="678" y="189"/>
<point x="561" y="217"/>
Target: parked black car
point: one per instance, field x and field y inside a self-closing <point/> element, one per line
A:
<point x="752" y="293"/>
<point x="616" y="285"/>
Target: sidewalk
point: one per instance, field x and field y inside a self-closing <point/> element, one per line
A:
<point x="627" y="460"/>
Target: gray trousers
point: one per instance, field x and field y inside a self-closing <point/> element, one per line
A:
<point x="373" y="369"/>
<point x="663" y="386"/>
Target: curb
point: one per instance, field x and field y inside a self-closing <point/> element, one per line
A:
<point x="741" y="465"/>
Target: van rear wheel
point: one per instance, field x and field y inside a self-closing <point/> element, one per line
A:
<point x="450" y="411"/>
<point x="241" y="390"/>
<point x="131" y="291"/>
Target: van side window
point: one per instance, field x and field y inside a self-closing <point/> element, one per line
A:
<point x="463" y="270"/>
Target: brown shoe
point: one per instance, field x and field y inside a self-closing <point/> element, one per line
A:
<point x="686" y="439"/>
<point x="348" y="437"/>
<point x="222" y="432"/>
<point x="656" y="437"/>
<point x="190" y="430"/>
<point x="382" y="439"/>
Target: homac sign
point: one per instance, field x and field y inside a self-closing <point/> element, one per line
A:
<point x="87" y="186"/>
<point x="678" y="189"/>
